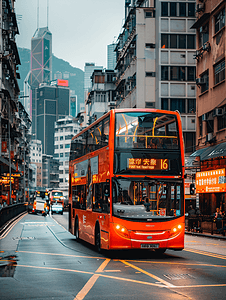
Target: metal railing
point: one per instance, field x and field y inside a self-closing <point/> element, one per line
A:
<point x="9" y="212"/>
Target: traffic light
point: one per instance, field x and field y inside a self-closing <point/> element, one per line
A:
<point x="192" y="189"/>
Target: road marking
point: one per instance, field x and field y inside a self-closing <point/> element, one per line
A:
<point x="7" y="231"/>
<point x="177" y="263"/>
<point x="206" y="253"/>
<point x="87" y="287"/>
<point x="121" y="278"/>
<point x="58" y="254"/>
<point x="147" y="273"/>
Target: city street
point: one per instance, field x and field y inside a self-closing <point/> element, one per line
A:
<point x="40" y="259"/>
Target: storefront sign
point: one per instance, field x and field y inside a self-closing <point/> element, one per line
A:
<point x="211" y="181"/>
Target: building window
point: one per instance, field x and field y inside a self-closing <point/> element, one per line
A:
<point x="182" y="9"/>
<point x="191" y="105"/>
<point x="66" y="154"/>
<point x="191" y="9"/>
<point x="61" y="146"/>
<point x="56" y="155"/>
<point x="205" y="82"/>
<point x="164" y="9"/>
<point x="220" y="20"/>
<point x="203" y="34"/>
<point x="221" y="122"/>
<point x="56" y="147"/>
<point x="177" y="104"/>
<point x="164" y="103"/>
<point x="173" y="9"/>
<point x="164" y="40"/>
<point x="61" y="138"/>
<point x="173" y="41"/>
<point x="178" y="41"/>
<point x="191" y="73"/>
<point x="219" y="72"/>
<point x="61" y="155"/>
<point x="61" y="180"/>
<point x="67" y="146"/>
<point x="177" y="73"/>
<point x="164" y="73"/>
<point x="56" y="138"/>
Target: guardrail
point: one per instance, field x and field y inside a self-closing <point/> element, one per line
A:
<point x="207" y="224"/>
<point x="9" y="212"/>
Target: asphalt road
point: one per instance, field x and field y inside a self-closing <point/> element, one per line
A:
<point x="40" y="259"/>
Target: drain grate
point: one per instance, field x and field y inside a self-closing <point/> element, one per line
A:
<point x="178" y="276"/>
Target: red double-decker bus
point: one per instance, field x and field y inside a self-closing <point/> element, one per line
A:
<point x="126" y="181"/>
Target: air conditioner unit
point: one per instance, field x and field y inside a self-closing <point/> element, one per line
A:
<point x="206" y="47"/>
<point x="209" y="136"/>
<point x="204" y="117"/>
<point x="200" y="7"/>
<point x="200" y="81"/>
<point x="129" y="87"/>
<point x="217" y="112"/>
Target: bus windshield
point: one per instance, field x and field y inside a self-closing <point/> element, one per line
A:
<point x="143" y="198"/>
<point x="57" y="194"/>
<point x="141" y="130"/>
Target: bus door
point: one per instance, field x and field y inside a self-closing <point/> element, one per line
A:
<point x="101" y="210"/>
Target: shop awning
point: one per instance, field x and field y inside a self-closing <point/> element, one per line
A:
<point x="214" y="151"/>
<point x="211" y="152"/>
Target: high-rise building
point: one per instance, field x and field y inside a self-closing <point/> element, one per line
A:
<point x="52" y="103"/>
<point x="155" y="64"/>
<point x="36" y="159"/>
<point x="89" y="68"/>
<point x="41" y="57"/>
<point x="111" y="56"/>
<point x="65" y="129"/>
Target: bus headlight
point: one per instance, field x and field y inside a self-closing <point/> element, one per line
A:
<point x="175" y="230"/>
<point x="121" y="230"/>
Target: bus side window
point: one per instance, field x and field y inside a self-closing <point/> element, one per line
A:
<point x="105" y="136"/>
<point x="98" y="136"/>
<point x="97" y="197"/>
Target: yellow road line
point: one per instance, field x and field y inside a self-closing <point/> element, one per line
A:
<point x="58" y="254"/>
<point x="123" y="279"/>
<point x="206" y="253"/>
<point x="87" y="287"/>
<point x="149" y="274"/>
<point x="178" y="263"/>
<point x="11" y="227"/>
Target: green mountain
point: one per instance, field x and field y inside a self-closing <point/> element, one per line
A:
<point x="60" y="69"/>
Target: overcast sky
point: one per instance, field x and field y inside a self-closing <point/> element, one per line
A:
<point x="81" y="29"/>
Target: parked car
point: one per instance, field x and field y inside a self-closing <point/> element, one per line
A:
<point x="57" y="207"/>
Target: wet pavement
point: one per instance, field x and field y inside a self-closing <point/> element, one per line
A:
<point x="40" y="259"/>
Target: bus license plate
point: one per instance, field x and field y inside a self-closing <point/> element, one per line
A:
<point x="149" y="246"/>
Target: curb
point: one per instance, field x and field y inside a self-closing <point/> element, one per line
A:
<point x="206" y="235"/>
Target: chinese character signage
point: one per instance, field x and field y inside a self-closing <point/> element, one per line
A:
<point x="147" y="164"/>
<point x="211" y="181"/>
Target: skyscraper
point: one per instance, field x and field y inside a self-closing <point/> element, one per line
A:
<point x="111" y="56"/>
<point x="41" y="68"/>
<point x="41" y="57"/>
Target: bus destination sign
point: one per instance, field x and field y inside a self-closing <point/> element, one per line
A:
<point x="147" y="164"/>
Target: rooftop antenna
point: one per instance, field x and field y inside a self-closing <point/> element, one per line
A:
<point x="47" y="13"/>
<point x="37" y="13"/>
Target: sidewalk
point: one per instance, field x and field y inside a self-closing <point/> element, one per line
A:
<point x="207" y="234"/>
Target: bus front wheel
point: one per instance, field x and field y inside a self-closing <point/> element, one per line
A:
<point x="77" y="230"/>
